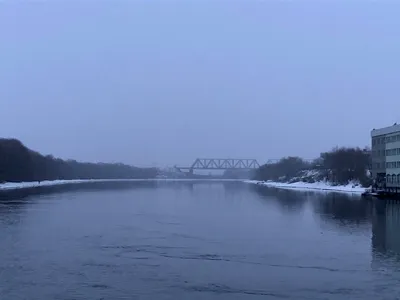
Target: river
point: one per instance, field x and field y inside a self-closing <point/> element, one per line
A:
<point x="187" y="240"/>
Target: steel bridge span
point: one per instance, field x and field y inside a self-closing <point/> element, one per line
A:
<point x="226" y="164"/>
<point x="221" y="164"/>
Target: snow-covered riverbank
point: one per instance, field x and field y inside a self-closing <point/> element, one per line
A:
<point x="33" y="184"/>
<point x="317" y="186"/>
<point x="36" y="184"/>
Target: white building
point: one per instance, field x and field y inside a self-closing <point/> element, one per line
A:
<point x="386" y="155"/>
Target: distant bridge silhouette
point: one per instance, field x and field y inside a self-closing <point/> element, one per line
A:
<point x="222" y="164"/>
<point x="227" y="164"/>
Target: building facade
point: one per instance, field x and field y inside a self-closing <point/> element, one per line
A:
<point x="385" y="151"/>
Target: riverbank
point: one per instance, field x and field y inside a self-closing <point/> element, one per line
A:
<point x="317" y="186"/>
<point x="301" y="186"/>
<point x="33" y="184"/>
<point x="8" y="186"/>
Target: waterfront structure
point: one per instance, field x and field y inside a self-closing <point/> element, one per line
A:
<point x="385" y="153"/>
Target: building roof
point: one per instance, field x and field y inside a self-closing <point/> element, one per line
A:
<point x="385" y="130"/>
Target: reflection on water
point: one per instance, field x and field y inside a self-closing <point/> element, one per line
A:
<point x="379" y="218"/>
<point x="6" y="195"/>
<point x="286" y="200"/>
<point x="345" y="211"/>
<point x="386" y="229"/>
<point x="186" y="240"/>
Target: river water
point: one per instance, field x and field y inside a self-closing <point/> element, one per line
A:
<point x="197" y="241"/>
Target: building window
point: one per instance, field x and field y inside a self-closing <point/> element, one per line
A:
<point x="388" y="178"/>
<point x="398" y="178"/>
<point x="394" y="178"/>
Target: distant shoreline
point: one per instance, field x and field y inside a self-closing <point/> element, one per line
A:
<point x="9" y="186"/>
<point x="60" y="184"/>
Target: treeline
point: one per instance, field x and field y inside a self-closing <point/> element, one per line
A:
<point x="19" y="163"/>
<point x="340" y="165"/>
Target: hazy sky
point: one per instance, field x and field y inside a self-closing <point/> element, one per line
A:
<point x="165" y="82"/>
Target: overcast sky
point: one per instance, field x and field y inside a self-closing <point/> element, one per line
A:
<point x="165" y="82"/>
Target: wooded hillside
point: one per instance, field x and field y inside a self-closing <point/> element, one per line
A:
<point x="19" y="163"/>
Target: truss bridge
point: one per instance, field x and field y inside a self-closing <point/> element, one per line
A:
<point x="221" y="164"/>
